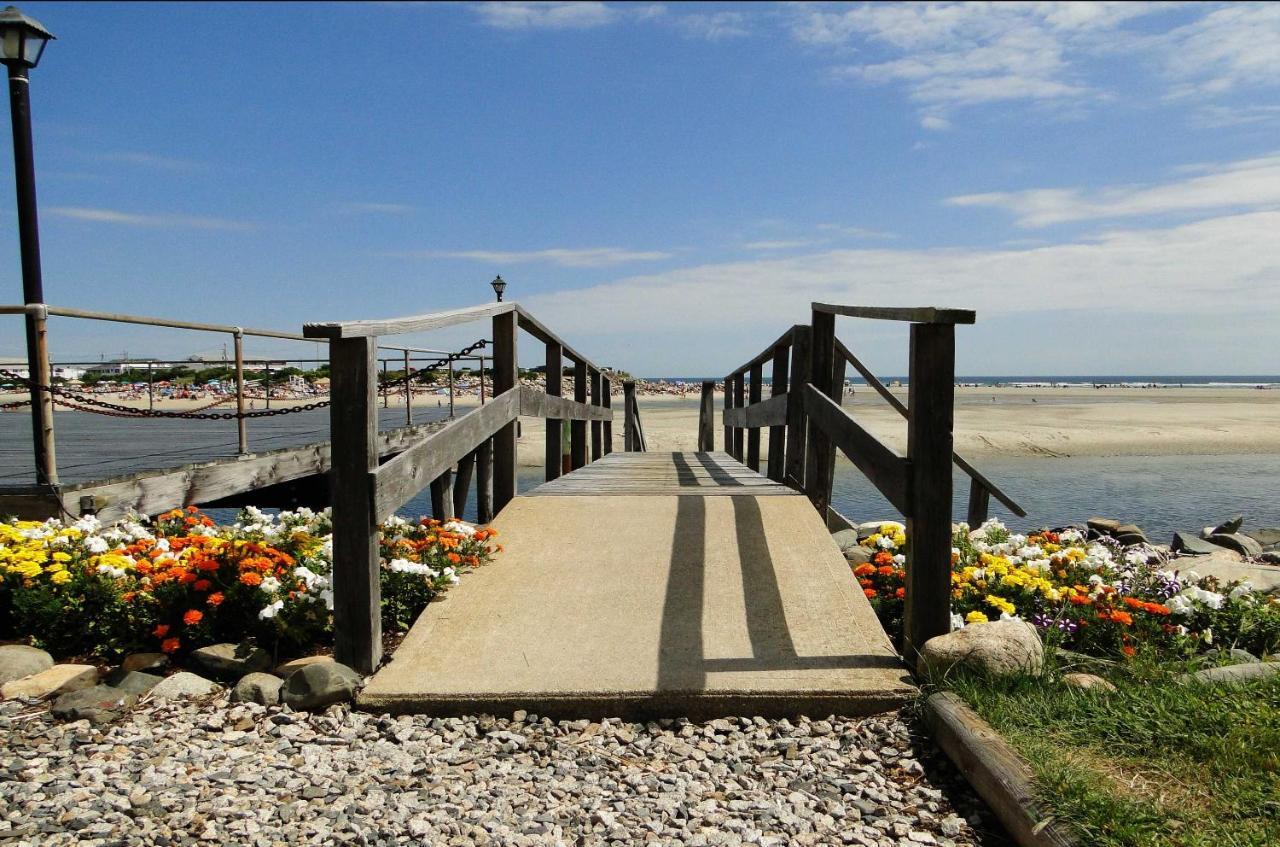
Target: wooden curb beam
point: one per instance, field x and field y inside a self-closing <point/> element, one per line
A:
<point x="995" y="770"/>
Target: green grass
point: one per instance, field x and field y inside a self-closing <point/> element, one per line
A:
<point x="1154" y="763"/>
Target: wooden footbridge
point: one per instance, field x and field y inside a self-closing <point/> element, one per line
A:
<point x="637" y="582"/>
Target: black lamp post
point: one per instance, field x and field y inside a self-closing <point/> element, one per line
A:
<point x="22" y="40"/>
<point x="499" y="286"/>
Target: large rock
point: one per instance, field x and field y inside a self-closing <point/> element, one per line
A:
<point x="320" y="685"/>
<point x="1232" y="674"/>
<point x="1194" y="545"/>
<point x="98" y="704"/>
<point x="18" y="660"/>
<point x="845" y="538"/>
<point x="183" y="684"/>
<point x="285" y="669"/>
<point x="1229" y="527"/>
<point x="232" y="661"/>
<point x="59" y="679"/>
<point x="1130" y="534"/>
<point x="1087" y="682"/>
<point x="1266" y="536"/>
<point x="135" y="682"/>
<point x="1241" y="543"/>
<point x="150" y="662"/>
<point x="870" y="528"/>
<point x="1105" y="526"/>
<point x="858" y="555"/>
<point x="261" y="688"/>
<point x="998" y="648"/>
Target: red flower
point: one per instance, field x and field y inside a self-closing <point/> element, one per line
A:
<point x="170" y="645"/>
<point x="215" y="599"/>
<point x="870" y="592"/>
<point x="193" y="617"/>
<point x="161" y="631"/>
<point x="202" y="585"/>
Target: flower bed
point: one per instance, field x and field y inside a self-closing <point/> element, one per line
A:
<point x="182" y="582"/>
<point x="1094" y="597"/>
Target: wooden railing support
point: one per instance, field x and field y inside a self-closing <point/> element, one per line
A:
<point x="979" y="504"/>
<point x="597" y="430"/>
<point x="630" y="438"/>
<point x="505" y="375"/>
<point x="578" y="429"/>
<point x="554" y="451"/>
<point x="728" y="404"/>
<point x="797" y="425"/>
<point x="706" y="418"/>
<point x="353" y="417"/>
<point x="820" y="455"/>
<point x="739" y="400"/>
<point x="441" y="502"/>
<point x="484" y="482"/>
<point x="927" y="612"/>
<point x="242" y="433"/>
<point x="606" y="427"/>
<point x="462" y="483"/>
<point x="778" y="434"/>
<point x="755" y="395"/>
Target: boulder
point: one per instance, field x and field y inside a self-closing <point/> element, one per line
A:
<point x="1106" y="526"/>
<point x="1232" y="674"/>
<point x="183" y="684"/>
<point x="1229" y="527"/>
<point x="99" y="704"/>
<point x="319" y="685"/>
<point x="845" y="538"/>
<point x="135" y="682"/>
<point x="284" y="669"/>
<point x="18" y="660"/>
<point x="1130" y="534"/>
<point x="57" y="680"/>
<point x="870" y="528"/>
<point x="231" y="661"/>
<point x="1242" y="544"/>
<point x="858" y="555"/>
<point x="998" y="648"/>
<point x="1087" y="682"/>
<point x="1242" y="657"/>
<point x="150" y="662"/>
<point x="261" y="688"/>
<point x="1266" y="536"/>
<point x="1193" y="545"/>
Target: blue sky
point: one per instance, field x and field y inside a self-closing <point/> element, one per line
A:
<point x="669" y="186"/>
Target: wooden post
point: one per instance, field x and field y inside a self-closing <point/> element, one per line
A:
<point x="450" y="388"/>
<point x="728" y="404"/>
<point x="929" y="445"/>
<point x="820" y="453"/>
<point x="837" y="394"/>
<point x="778" y="434"/>
<point x="353" y="423"/>
<point x="555" y="370"/>
<point x="484" y="482"/>
<point x="706" y="418"/>
<point x="578" y="429"/>
<point x="630" y="440"/>
<point x="441" y="502"/>
<point x="597" y="432"/>
<point x="797" y="422"/>
<point x="386" y="389"/>
<point x="753" y="435"/>
<point x="462" y="483"/>
<point x="979" y="504"/>
<point x="506" y="374"/>
<point x="40" y="372"/>
<point x="408" y="392"/>
<point x="739" y="401"/>
<point x="607" y="426"/>
<point x="242" y="434"/>
<point x="482" y="380"/>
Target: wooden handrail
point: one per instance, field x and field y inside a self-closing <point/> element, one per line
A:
<point x="919" y="315"/>
<point x="398" y="326"/>
<point x="784" y="340"/>
<point x="886" y="469"/>
<point x="771" y="412"/>
<point x="959" y="460"/>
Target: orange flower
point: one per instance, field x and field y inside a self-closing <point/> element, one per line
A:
<point x="193" y="617"/>
<point x="864" y="569"/>
<point x="1128" y="651"/>
<point x="170" y="645"/>
<point x="900" y="593"/>
<point x="884" y="557"/>
<point x="161" y="631"/>
<point x="215" y="599"/>
<point x="251" y="578"/>
<point x="202" y="585"/>
<point x="886" y="570"/>
<point x="1081" y="599"/>
<point x="454" y="558"/>
<point x="870" y="592"/>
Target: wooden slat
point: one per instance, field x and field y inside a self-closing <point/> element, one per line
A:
<point x="706" y="417"/>
<point x="484" y="482"/>
<point x="820" y="453"/>
<point x="397" y="326"/>
<point x="398" y="480"/>
<point x="506" y="375"/>
<point x="778" y="433"/>
<point x="979" y="504"/>
<point x="537" y="404"/>
<point x="920" y="314"/>
<point x="630" y="438"/>
<point x="606" y="426"/>
<point x="886" y="470"/>
<point x="771" y="412"/>
<point x="552" y="462"/>
<point x="739" y="400"/>
<point x="901" y="408"/>
<point x="755" y="391"/>
<point x="596" y="409"/>
<point x="578" y="426"/>
<point x="441" y="503"/>
<point x="797" y="434"/>
<point x="462" y="483"/>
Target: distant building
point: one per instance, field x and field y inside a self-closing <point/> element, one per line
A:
<point x="19" y="367"/>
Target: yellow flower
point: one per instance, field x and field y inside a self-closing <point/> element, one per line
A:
<point x="975" y="617"/>
<point x="60" y="577"/>
<point x="61" y="557"/>
<point x="1000" y="604"/>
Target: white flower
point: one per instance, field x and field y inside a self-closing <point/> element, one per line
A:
<point x="405" y="566"/>
<point x="114" y="573"/>
<point x="270" y="610"/>
<point x="884" y="542"/>
<point x="899" y="560"/>
<point x="1070" y="536"/>
<point x="97" y="545"/>
<point x="957" y="622"/>
<point x="460" y="528"/>
<point x="1241" y="590"/>
<point x="270" y="585"/>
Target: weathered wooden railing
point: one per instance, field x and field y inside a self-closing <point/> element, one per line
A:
<point x="807" y="424"/>
<point x="481" y="445"/>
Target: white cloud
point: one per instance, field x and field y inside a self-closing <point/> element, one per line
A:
<point x="712" y="26"/>
<point x="1230" y="47"/>
<point x="560" y="15"/>
<point x="1247" y="184"/>
<point x="1181" y="270"/>
<point x="163" y="221"/>
<point x="856" y="231"/>
<point x="587" y="257"/>
<point x="149" y="160"/>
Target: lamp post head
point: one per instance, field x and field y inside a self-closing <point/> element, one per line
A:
<point x="499" y="286"/>
<point x="22" y="39"/>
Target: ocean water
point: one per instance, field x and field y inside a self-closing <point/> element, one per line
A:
<point x="1073" y="381"/>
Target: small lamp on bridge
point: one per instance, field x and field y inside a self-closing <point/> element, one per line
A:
<point x="22" y="39"/>
<point x="499" y="286"/>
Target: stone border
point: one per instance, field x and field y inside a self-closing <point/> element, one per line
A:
<point x="995" y="770"/>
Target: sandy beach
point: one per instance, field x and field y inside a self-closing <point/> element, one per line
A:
<point x="1047" y="422"/>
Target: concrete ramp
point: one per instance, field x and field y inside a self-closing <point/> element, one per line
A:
<point x="661" y="603"/>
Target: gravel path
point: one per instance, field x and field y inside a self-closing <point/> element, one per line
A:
<point x="187" y="773"/>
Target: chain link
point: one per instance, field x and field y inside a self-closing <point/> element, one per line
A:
<point x="85" y="403"/>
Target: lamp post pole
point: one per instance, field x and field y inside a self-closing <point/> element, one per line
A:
<point x="32" y="284"/>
